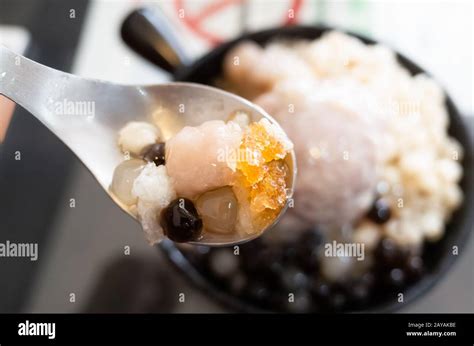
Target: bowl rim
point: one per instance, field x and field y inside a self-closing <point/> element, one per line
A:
<point x="463" y="230"/>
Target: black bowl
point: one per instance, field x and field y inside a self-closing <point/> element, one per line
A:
<point x="206" y="70"/>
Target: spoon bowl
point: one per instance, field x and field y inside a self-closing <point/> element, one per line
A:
<point x="87" y="114"/>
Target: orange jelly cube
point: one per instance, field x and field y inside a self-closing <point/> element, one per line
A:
<point x="262" y="173"/>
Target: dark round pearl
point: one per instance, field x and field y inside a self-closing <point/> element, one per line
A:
<point x="293" y="279"/>
<point x="337" y="301"/>
<point x="154" y="153"/>
<point x="397" y="277"/>
<point x="180" y="221"/>
<point x="258" y="291"/>
<point x="414" y="267"/>
<point x="368" y="279"/>
<point x="321" y="290"/>
<point x="359" y="292"/>
<point x="388" y="253"/>
<point x="302" y="303"/>
<point x="380" y="212"/>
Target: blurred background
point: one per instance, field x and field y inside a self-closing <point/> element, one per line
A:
<point x="83" y="253"/>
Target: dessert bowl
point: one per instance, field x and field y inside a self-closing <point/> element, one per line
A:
<point x="437" y="256"/>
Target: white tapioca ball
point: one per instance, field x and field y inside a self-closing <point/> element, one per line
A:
<point x="452" y="196"/>
<point x="154" y="190"/>
<point x="336" y="268"/>
<point x="123" y="179"/>
<point x="241" y="118"/>
<point x="154" y="186"/>
<point x="218" y="210"/>
<point x="404" y="232"/>
<point x="449" y="170"/>
<point x="367" y="233"/>
<point x="432" y="225"/>
<point x="136" y="135"/>
<point x="224" y="263"/>
<point x="255" y="70"/>
<point x="148" y="216"/>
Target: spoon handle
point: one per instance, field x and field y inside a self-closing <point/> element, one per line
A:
<point x="83" y="113"/>
<point x="58" y="99"/>
<point x="21" y="80"/>
<point x="37" y="88"/>
<point x="148" y="32"/>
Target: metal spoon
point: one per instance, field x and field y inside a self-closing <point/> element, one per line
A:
<point x="87" y="114"/>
